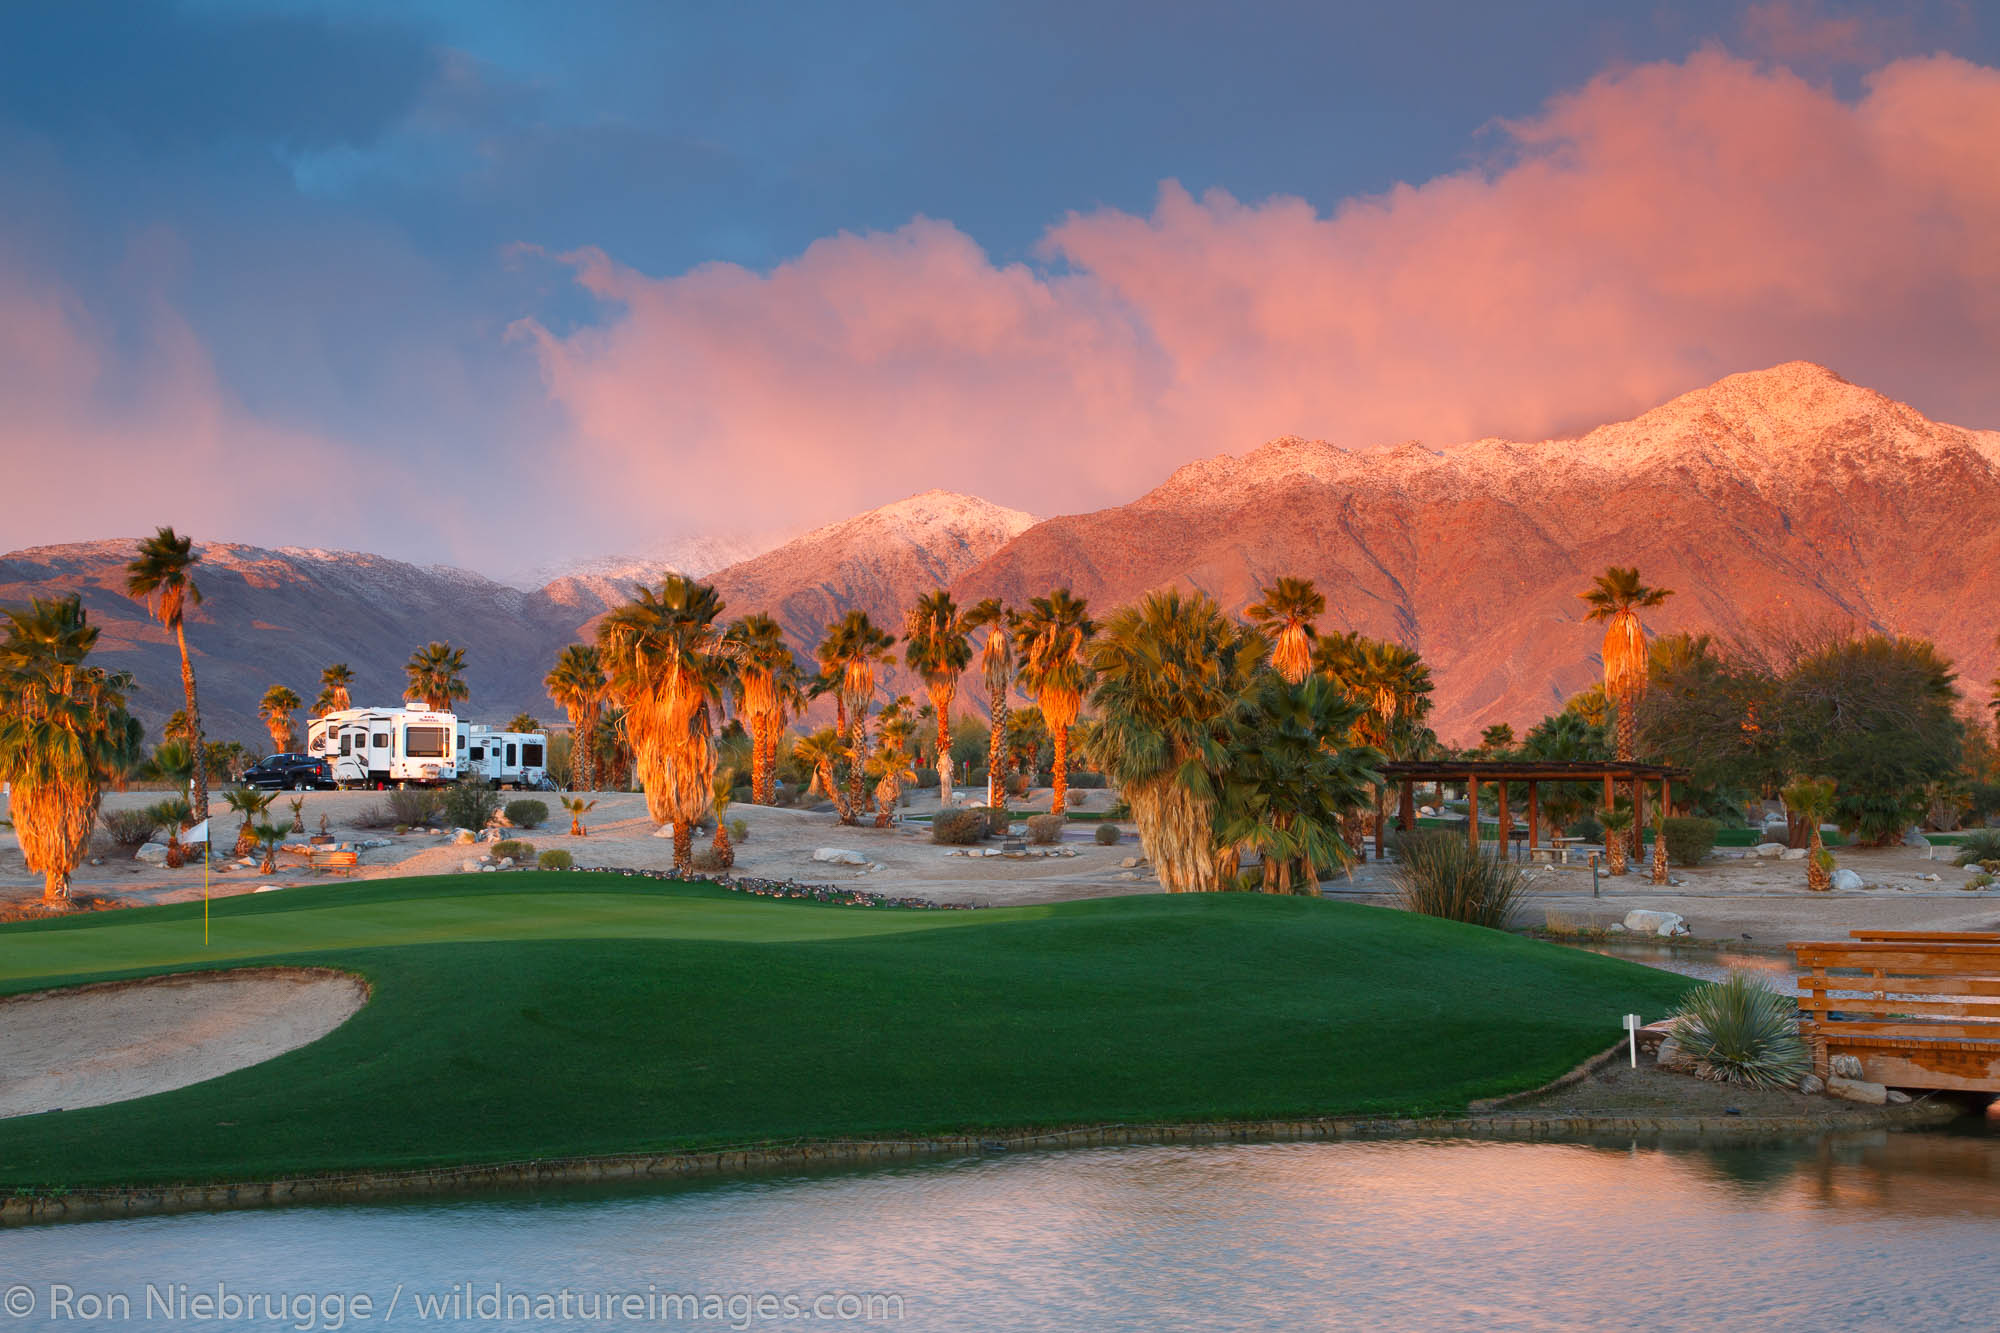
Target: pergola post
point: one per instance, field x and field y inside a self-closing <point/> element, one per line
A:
<point x="1638" y="819"/>
<point x="1506" y="820"/>
<point x="1534" y="819"/>
<point x="1610" y="796"/>
<point x="1407" y="814"/>
<point x="1472" y="809"/>
<point x="1381" y="820"/>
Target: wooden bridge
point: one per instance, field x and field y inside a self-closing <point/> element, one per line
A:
<point x="1918" y="1009"/>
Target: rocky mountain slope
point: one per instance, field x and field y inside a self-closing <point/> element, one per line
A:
<point x="1769" y="500"/>
<point x="1780" y="498"/>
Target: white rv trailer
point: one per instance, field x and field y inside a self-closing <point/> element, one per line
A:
<point x="373" y="747"/>
<point x="517" y="759"/>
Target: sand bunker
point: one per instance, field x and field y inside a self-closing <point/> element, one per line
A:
<point x="93" y="1045"/>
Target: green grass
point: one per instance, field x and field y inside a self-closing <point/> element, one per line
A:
<point x="555" y="1014"/>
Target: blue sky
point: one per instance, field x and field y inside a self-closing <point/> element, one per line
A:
<point x="328" y="223"/>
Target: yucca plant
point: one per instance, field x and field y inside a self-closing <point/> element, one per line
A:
<point x="1441" y="874"/>
<point x="1738" y="1031"/>
<point x="1979" y="847"/>
<point x="578" y="808"/>
<point x="1616" y="821"/>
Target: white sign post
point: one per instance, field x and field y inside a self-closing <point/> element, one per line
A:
<point x="1632" y="1026"/>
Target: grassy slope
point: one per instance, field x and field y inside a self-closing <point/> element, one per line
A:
<point x="549" y="1015"/>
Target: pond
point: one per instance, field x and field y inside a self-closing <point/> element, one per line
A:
<point x="1878" y="1231"/>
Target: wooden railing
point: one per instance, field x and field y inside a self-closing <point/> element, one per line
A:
<point x="1918" y="1009"/>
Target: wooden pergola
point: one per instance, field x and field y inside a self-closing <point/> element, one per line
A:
<point x="1470" y="773"/>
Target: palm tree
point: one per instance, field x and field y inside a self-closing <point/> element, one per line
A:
<point x="820" y="752"/>
<point x="890" y="764"/>
<point x="1499" y="736"/>
<point x="1169" y="672"/>
<point x="1811" y="799"/>
<point x="525" y="723"/>
<point x="938" y="646"/>
<point x="578" y="808"/>
<point x="174" y="815"/>
<point x="1286" y="794"/>
<point x="251" y="804"/>
<point x="270" y="835"/>
<point x="996" y="666"/>
<point x="335" y="690"/>
<point x="719" y="846"/>
<point x="436" y="673"/>
<point x="276" y="708"/>
<point x="1617" y="596"/>
<point x="1285" y="612"/>
<point x="849" y="656"/>
<point x="767" y="690"/>
<point x="163" y="577"/>
<point x="63" y="730"/>
<point x="1052" y="639"/>
<point x="1660" y="843"/>
<point x="577" y="687"/>
<point x="666" y="661"/>
<point x="1616" y="821"/>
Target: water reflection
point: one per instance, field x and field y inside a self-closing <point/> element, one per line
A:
<point x="1850" y="1231"/>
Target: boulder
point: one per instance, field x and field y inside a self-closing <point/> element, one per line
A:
<point x="1812" y="1083"/>
<point x="1846" y="879"/>
<point x="1795" y="854"/>
<point x="1649" y="922"/>
<point x="1671" y="1056"/>
<point x="664" y="831"/>
<point x="1914" y="837"/>
<point x="153" y="854"/>
<point x="1847" y="1066"/>
<point x="839" y="856"/>
<point x="468" y="867"/>
<point x="1770" y="849"/>
<point x="464" y="837"/>
<point x="1897" y="1097"/>
<point x="1857" y="1090"/>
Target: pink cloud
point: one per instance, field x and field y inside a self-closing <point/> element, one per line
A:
<point x="1653" y="230"/>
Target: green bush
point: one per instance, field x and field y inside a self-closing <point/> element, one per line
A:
<point x="1045" y="830"/>
<point x="739" y="830"/>
<point x="1586" y="828"/>
<point x="1689" y="840"/>
<point x="959" y="828"/>
<point x="526" y="814"/>
<point x="414" y="806"/>
<point x="1739" y="1031"/>
<point x="707" y="860"/>
<point x="1440" y="874"/>
<point x="1108" y="835"/>
<point x="556" y="859"/>
<point x="515" y="848"/>
<point x="999" y="820"/>
<point x="1979" y="846"/>
<point x="468" y="803"/>
<point x="128" y="828"/>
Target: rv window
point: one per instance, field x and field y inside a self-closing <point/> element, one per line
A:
<point x="531" y="756"/>
<point x="381" y="741"/>
<point x="347" y="745"/>
<point x="425" y="742"/>
<point x="510" y="754"/>
<point x="478" y="754"/>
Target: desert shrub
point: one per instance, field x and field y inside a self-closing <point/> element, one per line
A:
<point x="414" y="806"/>
<point x="1018" y="784"/>
<point x="468" y="803"/>
<point x="740" y="795"/>
<point x="708" y="860"/>
<point x="927" y="779"/>
<point x="959" y="828"/>
<point x="1085" y="780"/>
<point x="375" y="816"/>
<point x="527" y="814"/>
<point x="515" y="848"/>
<point x="739" y="830"/>
<point x="1119" y="809"/>
<point x="1586" y="828"/>
<point x="1441" y="875"/>
<point x="128" y="828"/>
<point x="1979" y="847"/>
<point x="1045" y="829"/>
<point x="1689" y="840"/>
<point x="1739" y="1031"/>
<point x="556" y="859"/>
<point x="1108" y="835"/>
<point x="999" y="820"/>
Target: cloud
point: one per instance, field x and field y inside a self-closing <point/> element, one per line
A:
<point x="1657" y="228"/>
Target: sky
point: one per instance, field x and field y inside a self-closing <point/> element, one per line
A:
<point x="504" y="285"/>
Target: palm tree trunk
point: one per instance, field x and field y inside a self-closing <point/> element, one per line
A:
<point x="246" y="839"/>
<point x="198" y="796"/>
<point x="1061" y="775"/>
<point x="1818" y="879"/>
<point x="886" y="792"/>
<point x="943" y="706"/>
<point x="725" y="851"/>
<point x="996" y="755"/>
<point x="1614" y="848"/>
<point x="1628" y="731"/>
<point x="683" y="847"/>
<point x="856" y="797"/>
<point x="1659" y="855"/>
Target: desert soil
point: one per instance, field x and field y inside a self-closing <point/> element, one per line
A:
<point x="94" y="1045"/>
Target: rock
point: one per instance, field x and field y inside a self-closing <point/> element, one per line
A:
<point x="1671" y="1056"/>
<point x="1857" y="1090"/>
<point x="874" y="866"/>
<point x="1770" y="849"/>
<point x="1847" y="1066"/>
<point x="465" y="837"/>
<point x="839" y="856"/>
<point x="1795" y="854"/>
<point x="989" y="851"/>
<point x="1846" y="879"/>
<point x="374" y="842"/>
<point x="267" y="888"/>
<point x="1129" y="862"/>
<point x="1931" y="879"/>
<point x="468" y="867"/>
<point x="1615" y="928"/>
<point x="1127" y="874"/>
<point x="1914" y="837"/>
<point x="1650" y="922"/>
<point x="664" y="831"/>
<point x="153" y="854"/>
<point x="1897" y="1097"/>
<point x="1427" y="812"/>
<point x="1812" y="1083"/>
<point x="506" y="862"/>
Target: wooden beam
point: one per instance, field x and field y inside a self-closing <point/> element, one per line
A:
<point x="1638" y="820"/>
<point x="1407" y="814"/>
<point x="1472" y="811"/>
<point x="1506" y="820"/>
<point x="1534" y="820"/>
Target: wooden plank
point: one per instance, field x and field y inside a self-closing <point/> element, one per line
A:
<point x="1877" y="1004"/>
<point x="1926" y="1067"/>
<point x="1841" y="1029"/>
<point x="1905" y="985"/>
<point x="1927" y="936"/>
<point x="1954" y="960"/>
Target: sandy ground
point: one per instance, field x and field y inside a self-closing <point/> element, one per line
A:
<point x="99" y="1044"/>
<point x="1763" y="903"/>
